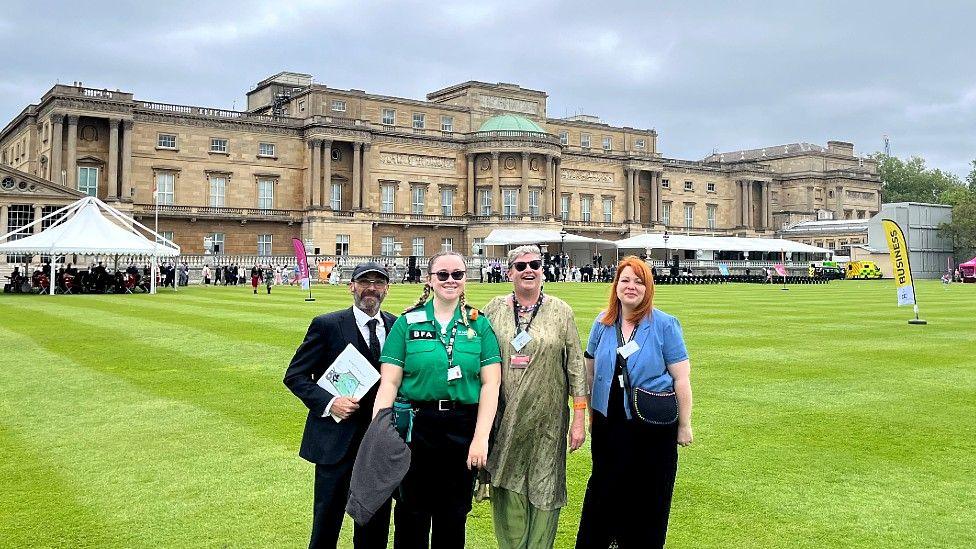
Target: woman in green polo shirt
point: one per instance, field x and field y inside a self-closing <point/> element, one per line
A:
<point x="442" y="357"/>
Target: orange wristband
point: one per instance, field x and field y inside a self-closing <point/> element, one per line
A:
<point x="579" y="405"/>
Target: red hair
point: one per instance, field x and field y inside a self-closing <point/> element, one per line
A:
<point x="641" y="271"/>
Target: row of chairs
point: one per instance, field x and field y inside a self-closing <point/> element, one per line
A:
<point x="747" y="279"/>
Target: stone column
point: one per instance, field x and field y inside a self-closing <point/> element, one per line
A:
<point x="357" y="183"/>
<point x="636" y="196"/>
<point x="496" y="188"/>
<point x="839" y="197"/>
<point x="314" y="155"/>
<point x="628" y="194"/>
<point x="309" y="152"/>
<point x="366" y="181"/>
<point x="810" y="199"/>
<point x="326" y="188"/>
<point x="38" y="213"/>
<point x="557" y="193"/>
<point x="3" y="218"/>
<point x="113" y="158"/>
<point x="768" y="205"/>
<point x="72" y="167"/>
<point x="472" y="198"/>
<point x="655" y="179"/>
<point x="524" y="193"/>
<point x="750" y="219"/>
<point x="57" y="135"/>
<point x="545" y="208"/>
<point x="743" y="204"/>
<point x="126" y="158"/>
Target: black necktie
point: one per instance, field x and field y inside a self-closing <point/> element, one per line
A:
<point x="374" y="340"/>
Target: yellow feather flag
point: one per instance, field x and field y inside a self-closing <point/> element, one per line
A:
<point x="899" y="262"/>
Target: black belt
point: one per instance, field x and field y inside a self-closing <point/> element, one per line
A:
<point x="442" y="405"/>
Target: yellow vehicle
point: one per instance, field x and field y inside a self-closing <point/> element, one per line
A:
<point x="862" y="270"/>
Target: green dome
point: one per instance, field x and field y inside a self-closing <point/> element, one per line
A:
<point x="510" y="122"/>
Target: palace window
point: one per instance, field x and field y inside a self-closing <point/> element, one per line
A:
<point x="342" y="244"/>
<point x="388" y="193"/>
<point x="564" y="207"/>
<point x="213" y="243"/>
<point x="447" y="124"/>
<point x="266" y="149"/>
<point x="218" y="145"/>
<point x="389" y="117"/>
<point x="666" y="213"/>
<point x="418" y="194"/>
<point x="338" y="105"/>
<point x="266" y="194"/>
<point x="564" y="138"/>
<point x="710" y="187"/>
<point x="19" y="215"/>
<point x="608" y="210"/>
<point x="585" y="140"/>
<point x="665" y="184"/>
<point x="484" y="202"/>
<point x="639" y="143"/>
<point x="447" y="244"/>
<point x="479" y="244"/>
<point x="689" y="186"/>
<point x="418" y="247"/>
<point x="88" y="180"/>
<point x="419" y="120"/>
<point x="164" y="235"/>
<point x="447" y="201"/>
<point x="48" y="210"/>
<point x="218" y="190"/>
<point x="534" y="202"/>
<point x="335" y="201"/>
<point x="301" y="106"/>
<point x="264" y="244"/>
<point x="166" y="141"/>
<point x="585" y="204"/>
<point x="165" y="187"/>
<point x="607" y="143"/>
<point x="509" y="202"/>
<point x="387" y="246"/>
<point x="689" y="216"/>
<point x="711" y="209"/>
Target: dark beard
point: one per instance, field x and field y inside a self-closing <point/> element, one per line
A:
<point x="365" y="304"/>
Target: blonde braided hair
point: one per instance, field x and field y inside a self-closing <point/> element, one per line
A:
<point x="423" y="299"/>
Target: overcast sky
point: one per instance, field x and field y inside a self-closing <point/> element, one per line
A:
<point x="722" y="75"/>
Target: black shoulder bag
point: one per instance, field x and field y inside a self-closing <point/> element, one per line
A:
<point x="653" y="407"/>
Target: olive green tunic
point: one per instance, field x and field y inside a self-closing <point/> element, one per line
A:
<point x="532" y="423"/>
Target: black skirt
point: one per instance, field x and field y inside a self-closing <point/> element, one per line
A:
<point x="628" y="496"/>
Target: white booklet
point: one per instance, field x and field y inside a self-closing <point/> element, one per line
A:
<point x="351" y="375"/>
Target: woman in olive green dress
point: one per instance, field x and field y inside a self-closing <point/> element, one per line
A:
<point x="542" y="367"/>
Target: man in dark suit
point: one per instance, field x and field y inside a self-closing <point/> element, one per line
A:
<point x="328" y="443"/>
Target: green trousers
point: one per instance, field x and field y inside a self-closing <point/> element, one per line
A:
<point x="519" y="524"/>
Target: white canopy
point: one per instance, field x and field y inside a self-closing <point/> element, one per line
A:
<point x="505" y="237"/>
<point x="83" y="230"/>
<point x="717" y="243"/>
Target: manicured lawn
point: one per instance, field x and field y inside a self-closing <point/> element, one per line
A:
<point x="822" y="419"/>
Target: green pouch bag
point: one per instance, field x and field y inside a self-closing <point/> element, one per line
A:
<point x="403" y="418"/>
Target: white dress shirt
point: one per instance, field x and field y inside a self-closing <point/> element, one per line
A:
<point x="361" y="320"/>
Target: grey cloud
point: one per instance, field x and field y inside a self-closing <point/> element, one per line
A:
<point x="705" y="75"/>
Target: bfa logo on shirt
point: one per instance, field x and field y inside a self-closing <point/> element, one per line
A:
<point x="421" y="334"/>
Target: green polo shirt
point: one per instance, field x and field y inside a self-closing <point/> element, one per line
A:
<point x="419" y="348"/>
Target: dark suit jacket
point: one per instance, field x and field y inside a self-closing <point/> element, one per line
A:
<point x="325" y="441"/>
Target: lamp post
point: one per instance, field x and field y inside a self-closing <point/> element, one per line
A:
<point x="562" y="243"/>
<point x="666" y="235"/>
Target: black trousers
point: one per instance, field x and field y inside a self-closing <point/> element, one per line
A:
<point x="628" y="496"/>
<point x="331" y="494"/>
<point x="435" y="496"/>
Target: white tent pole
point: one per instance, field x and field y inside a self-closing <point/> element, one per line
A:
<point x="74" y="206"/>
<point x="54" y="261"/>
<point x="158" y="237"/>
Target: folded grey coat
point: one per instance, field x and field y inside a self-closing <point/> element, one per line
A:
<point x="381" y="463"/>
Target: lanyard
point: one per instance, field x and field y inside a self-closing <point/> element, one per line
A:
<point x="448" y="342"/>
<point x="535" y="311"/>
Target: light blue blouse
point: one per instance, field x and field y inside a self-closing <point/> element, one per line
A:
<point x="661" y="345"/>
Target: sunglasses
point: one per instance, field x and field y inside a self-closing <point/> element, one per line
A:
<point x="521" y="265"/>
<point x="444" y="275"/>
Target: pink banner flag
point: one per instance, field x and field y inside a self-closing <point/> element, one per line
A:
<point x="301" y="258"/>
<point x="780" y="269"/>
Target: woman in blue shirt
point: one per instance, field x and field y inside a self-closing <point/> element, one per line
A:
<point x="628" y="496"/>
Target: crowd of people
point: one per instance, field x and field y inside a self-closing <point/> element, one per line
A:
<point x="268" y="275"/>
<point x="95" y="279"/>
<point x="488" y="402"/>
<point x="556" y="267"/>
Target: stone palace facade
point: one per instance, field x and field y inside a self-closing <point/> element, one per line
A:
<point x="365" y="174"/>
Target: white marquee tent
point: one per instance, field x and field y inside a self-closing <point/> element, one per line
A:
<point x="81" y="228"/>
<point x="717" y="243"/>
<point x="578" y="247"/>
